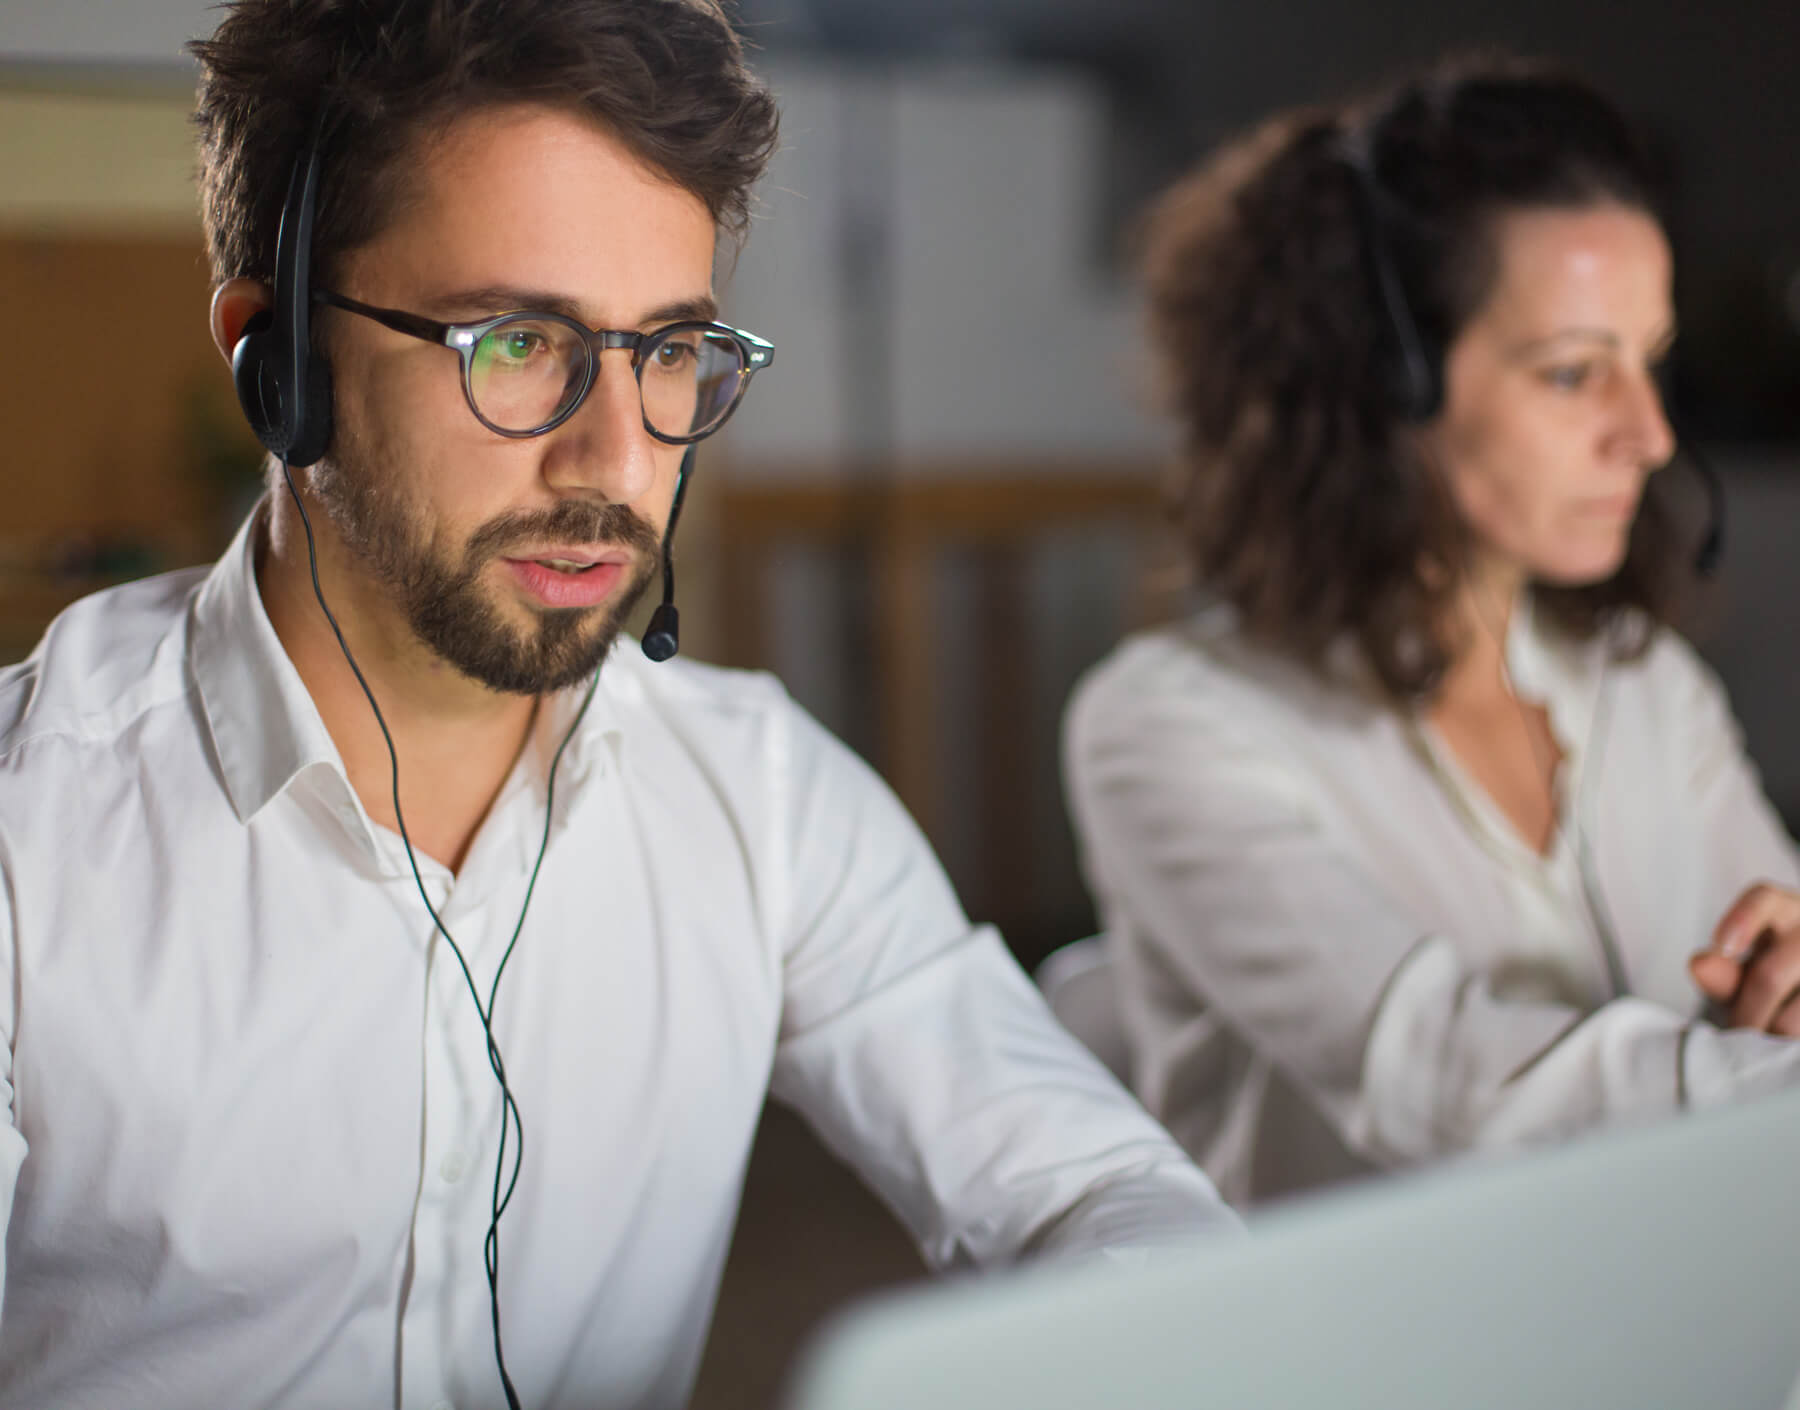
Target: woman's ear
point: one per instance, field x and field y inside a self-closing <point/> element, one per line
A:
<point x="234" y="304"/>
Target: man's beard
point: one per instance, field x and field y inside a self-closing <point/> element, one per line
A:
<point x="441" y="593"/>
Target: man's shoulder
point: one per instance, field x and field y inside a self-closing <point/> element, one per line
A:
<point x="680" y="689"/>
<point x="736" y="729"/>
<point x="102" y="662"/>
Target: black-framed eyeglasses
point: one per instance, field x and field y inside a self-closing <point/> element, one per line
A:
<point x="525" y="373"/>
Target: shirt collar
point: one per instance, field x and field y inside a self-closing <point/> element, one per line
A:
<point x="264" y="725"/>
<point x="1562" y="673"/>
<point x="596" y="740"/>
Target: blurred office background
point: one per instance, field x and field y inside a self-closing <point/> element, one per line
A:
<point x="941" y="504"/>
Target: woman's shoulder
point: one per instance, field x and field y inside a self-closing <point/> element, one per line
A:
<point x="1635" y="656"/>
<point x="1205" y="671"/>
<point x="1648" y="683"/>
<point x="1668" y="679"/>
<point x="1190" y="655"/>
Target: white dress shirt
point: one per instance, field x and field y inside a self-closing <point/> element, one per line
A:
<point x="1337" y="954"/>
<point x="251" y="1127"/>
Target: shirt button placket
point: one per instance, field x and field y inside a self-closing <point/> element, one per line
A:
<point x="456" y="1099"/>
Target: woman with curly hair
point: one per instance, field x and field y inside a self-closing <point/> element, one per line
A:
<point x="1405" y="839"/>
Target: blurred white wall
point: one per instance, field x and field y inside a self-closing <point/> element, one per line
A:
<point x="112" y="32"/>
<point x="91" y="164"/>
<point x="926" y="258"/>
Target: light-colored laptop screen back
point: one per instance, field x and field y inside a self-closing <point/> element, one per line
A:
<point x="1645" y="1268"/>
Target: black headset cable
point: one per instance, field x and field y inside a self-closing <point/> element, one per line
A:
<point x="504" y="1186"/>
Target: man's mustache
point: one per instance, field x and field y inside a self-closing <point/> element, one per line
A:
<point x="573" y="523"/>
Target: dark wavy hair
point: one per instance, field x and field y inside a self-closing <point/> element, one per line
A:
<point x="1301" y="498"/>
<point x="667" y="77"/>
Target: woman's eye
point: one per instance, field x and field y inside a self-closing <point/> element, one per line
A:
<point x="1568" y="377"/>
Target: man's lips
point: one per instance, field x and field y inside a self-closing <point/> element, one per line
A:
<point x="576" y="557"/>
<point x="569" y="577"/>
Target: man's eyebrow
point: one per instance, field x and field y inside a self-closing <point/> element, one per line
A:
<point x="703" y="309"/>
<point x="506" y="298"/>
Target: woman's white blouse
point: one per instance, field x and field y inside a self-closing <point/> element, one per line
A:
<point x="1336" y="953"/>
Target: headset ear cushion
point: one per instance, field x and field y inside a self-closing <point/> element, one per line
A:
<point x="313" y="435"/>
<point x="258" y="392"/>
<point x="1415" y="387"/>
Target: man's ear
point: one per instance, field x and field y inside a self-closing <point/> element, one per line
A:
<point x="235" y="303"/>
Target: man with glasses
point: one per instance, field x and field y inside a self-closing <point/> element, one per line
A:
<point x="273" y="834"/>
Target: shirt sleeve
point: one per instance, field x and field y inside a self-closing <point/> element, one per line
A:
<point x="12" y="1141"/>
<point x="1741" y="838"/>
<point x="1214" y="847"/>
<point x="1742" y="842"/>
<point x="923" y="1056"/>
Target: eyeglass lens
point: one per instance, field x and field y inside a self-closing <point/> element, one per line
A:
<point x="526" y="372"/>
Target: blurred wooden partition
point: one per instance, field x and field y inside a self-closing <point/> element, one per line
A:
<point x="128" y="454"/>
<point x="897" y="539"/>
<point x="126" y="451"/>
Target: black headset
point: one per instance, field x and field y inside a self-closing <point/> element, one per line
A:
<point x="284" y="385"/>
<point x="1413" y="375"/>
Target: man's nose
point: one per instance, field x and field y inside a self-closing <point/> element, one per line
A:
<point x="603" y="449"/>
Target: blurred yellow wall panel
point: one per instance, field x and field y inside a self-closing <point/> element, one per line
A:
<point x="95" y="164"/>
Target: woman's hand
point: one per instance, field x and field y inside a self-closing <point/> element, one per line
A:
<point x="1753" y="964"/>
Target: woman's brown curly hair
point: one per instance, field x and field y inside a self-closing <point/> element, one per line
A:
<point x="1304" y="499"/>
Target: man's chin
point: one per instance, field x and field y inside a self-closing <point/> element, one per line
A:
<point x="518" y="648"/>
<point x="514" y="652"/>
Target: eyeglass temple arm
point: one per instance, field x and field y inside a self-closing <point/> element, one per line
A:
<point x="428" y="329"/>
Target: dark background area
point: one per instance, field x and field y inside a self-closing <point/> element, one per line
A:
<point x="1715" y="87"/>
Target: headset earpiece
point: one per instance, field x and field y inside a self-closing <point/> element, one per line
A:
<point x="283" y="385"/>
<point x="256" y="394"/>
<point x="1412" y="374"/>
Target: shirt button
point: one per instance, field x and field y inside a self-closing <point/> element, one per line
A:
<point x="451" y="1168"/>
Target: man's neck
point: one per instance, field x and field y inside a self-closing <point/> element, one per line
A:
<point x="455" y="739"/>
